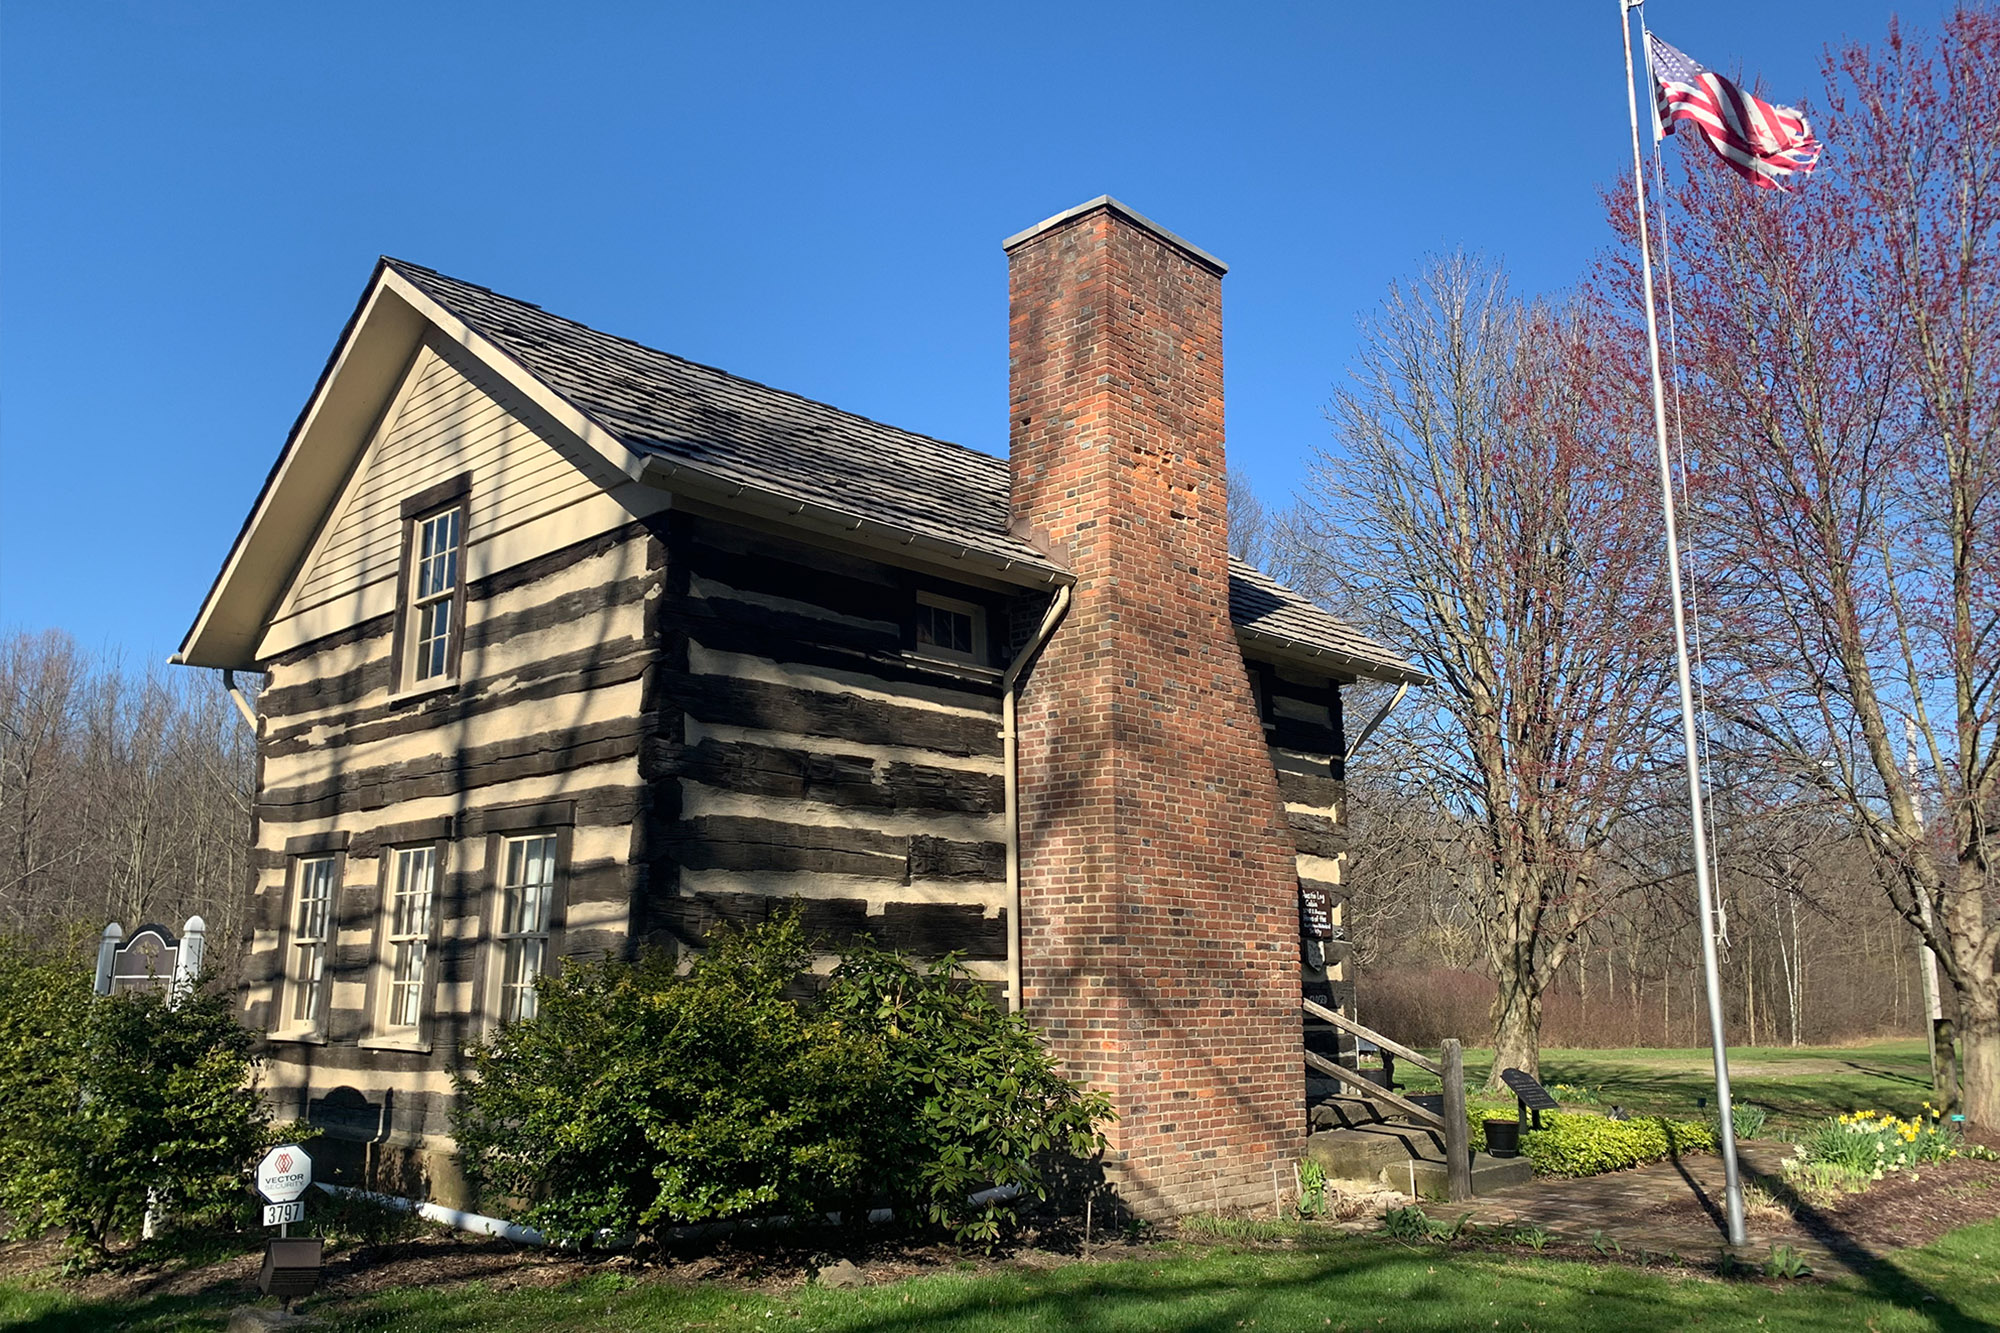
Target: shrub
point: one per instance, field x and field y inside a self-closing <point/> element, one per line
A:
<point x="640" y="1097"/>
<point x="105" y="1099"/>
<point x="1580" y="1144"/>
<point x="972" y="1099"/>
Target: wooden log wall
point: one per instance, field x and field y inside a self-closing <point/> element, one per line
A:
<point x="801" y="749"/>
<point x="1307" y="734"/>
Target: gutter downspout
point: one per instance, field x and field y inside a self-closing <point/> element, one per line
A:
<point x="1010" y="742"/>
<point x="236" y="697"/>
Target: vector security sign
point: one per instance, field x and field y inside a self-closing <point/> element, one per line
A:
<point x="284" y="1173"/>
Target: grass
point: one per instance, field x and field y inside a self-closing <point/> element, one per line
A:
<point x="1337" y="1283"/>
<point x="1797" y="1085"/>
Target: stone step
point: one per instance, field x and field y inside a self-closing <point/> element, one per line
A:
<point x="1407" y="1158"/>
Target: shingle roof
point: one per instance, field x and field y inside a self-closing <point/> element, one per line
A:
<point x="737" y="431"/>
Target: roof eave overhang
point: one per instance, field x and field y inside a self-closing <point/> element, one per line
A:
<point x="1332" y="661"/>
<point x="372" y="352"/>
<point x="852" y="529"/>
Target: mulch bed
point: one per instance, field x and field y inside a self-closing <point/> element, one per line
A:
<point x="769" y="1263"/>
<point x="1900" y="1211"/>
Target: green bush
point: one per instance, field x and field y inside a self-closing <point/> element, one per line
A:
<point x="1580" y="1144"/>
<point x="640" y="1097"/>
<point x="972" y="1100"/>
<point x="103" y="1099"/>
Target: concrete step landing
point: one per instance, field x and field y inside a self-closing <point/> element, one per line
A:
<point x="1403" y="1157"/>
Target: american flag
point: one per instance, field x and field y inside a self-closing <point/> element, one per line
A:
<point x="1765" y="144"/>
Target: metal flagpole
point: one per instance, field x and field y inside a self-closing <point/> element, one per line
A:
<point x="1704" y="891"/>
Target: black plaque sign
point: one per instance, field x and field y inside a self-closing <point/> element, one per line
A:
<point x="1316" y="914"/>
<point x="1531" y="1095"/>
<point x="146" y="961"/>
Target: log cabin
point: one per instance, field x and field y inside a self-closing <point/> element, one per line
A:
<point x="572" y="647"/>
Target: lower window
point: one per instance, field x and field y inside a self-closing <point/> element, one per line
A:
<point x="527" y="885"/>
<point x="311" y="915"/>
<point x="411" y="895"/>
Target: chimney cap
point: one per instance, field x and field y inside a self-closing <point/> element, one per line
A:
<point x="1105" y="201"/>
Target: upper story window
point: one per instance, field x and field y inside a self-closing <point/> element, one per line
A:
<point x="412" y="898"/>
<point x="432" y="623"/>
<point x="949" y="628"/>
<point x="527" y="890"/>
<point x="312" y="925"/>
<point x="434" y="577"/>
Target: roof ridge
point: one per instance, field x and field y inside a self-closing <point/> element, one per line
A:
<point x="698" y="365"/>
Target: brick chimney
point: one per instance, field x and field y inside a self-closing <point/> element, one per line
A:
<point x="1159" y="896"/>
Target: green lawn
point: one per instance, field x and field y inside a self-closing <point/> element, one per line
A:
<point x="1338" y="1283"/>
<point x="1797" y="1086"/>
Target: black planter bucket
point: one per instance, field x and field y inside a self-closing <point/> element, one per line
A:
<point x="1503" y="1138"/>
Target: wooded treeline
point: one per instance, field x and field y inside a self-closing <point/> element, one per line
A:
<point x="124" y="796"/>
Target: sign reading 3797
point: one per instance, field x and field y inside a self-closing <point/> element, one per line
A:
<point x="284" y="1175"/>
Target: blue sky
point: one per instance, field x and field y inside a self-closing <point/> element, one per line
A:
<point x="192" y="195"/>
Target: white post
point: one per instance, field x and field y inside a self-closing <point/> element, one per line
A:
<point x="187" y="963"/>
<point x="107" y="956"/>
<point x="1704" y="891"/>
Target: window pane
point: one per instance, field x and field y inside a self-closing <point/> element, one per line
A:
<point x="926" y="629"/>
<point x="308" y="967"/>
<point x="522" y="965"/>
<point x="961" y="631"/>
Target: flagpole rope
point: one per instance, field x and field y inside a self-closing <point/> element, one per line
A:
<point x="1692" y="524"/>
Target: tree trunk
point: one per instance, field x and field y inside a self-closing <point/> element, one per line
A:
<point x="1979" y="1029"/>
<point x="1517" y="1031"/>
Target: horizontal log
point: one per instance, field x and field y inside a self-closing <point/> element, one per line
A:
<point x="597" y="807"/>
<point x="1315" y="835"/>
<point x="535" y="570"/>
<point x="831" y="779"/>
<point x="601" y="665"/>
<point x="1289" y="733"/>
<point x="596" y="602"/>
<point x="454" y="773"/>
<point x="932" y="930"/>
<point x="729" y="701"/>
<point x="1321" y="792"/>
<point x="730" y="842"/>
<point x="689" y="918"/>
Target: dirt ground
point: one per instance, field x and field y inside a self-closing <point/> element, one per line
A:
<point x="1905" y="1210"/>
<point x="765" y="1264"/>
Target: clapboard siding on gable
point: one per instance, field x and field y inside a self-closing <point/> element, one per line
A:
<point x="452" y="417"/>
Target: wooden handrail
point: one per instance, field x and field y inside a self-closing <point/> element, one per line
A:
<point x="1451" y="1069"/>
<point x="1368" y="1088"/>
<point x="1346" y="1024"/>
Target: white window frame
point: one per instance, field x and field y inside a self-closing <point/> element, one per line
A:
<point x="523" y="921"/>
<point x="409" y="923"/>
<point x="432" y="587"/>
<point x="315" y="881"/>
<point x="972" y="611"/>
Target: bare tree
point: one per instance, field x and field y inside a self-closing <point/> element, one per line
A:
<point x="1843" y="347"/>
<point x="123" y="795"/>
<point x="1486" y="506"/>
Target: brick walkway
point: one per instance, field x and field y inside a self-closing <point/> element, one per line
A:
<point x="1647" y="1209"/>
